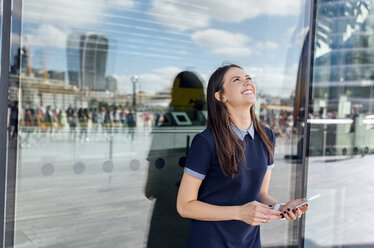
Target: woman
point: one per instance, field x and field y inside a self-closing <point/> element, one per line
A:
<point x="224" y="188"/>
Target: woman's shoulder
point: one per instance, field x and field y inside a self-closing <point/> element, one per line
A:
<point x="268" y="130"/>
<point x="207" y="133"/>
<point x="207" y="136"/>
<point x="269" y="133"/>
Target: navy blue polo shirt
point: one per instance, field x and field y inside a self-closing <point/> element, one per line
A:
<point x="218" y="189"/>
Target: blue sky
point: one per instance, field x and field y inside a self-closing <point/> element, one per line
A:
<point x="156" y="39"/>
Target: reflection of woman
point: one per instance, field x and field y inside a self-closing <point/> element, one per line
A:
<point x="225" y="184"/>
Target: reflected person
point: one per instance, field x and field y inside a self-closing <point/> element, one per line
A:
<point x="167" y="154"/>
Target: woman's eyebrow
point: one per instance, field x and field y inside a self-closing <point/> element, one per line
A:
<point x="237" y="76"/>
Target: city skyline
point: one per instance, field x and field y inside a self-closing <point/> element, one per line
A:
<point x="145" y="41"/>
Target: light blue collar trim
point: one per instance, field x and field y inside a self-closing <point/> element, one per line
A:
<point x="241" y="133"/>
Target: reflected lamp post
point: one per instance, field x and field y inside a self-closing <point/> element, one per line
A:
<point x="134" y="80"/>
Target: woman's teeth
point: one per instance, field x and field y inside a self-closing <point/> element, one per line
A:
<point x="247" y="92"/>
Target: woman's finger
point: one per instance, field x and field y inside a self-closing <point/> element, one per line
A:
<point x="263" y="205"/>
<point x="293" y="203"/>
<point x="291" y="214"/>
<point x="271" y="212"/>
<point x="274" y="217"/>
<point x="304" y="208"/>
<point x="266" y="210"/>
<point x="297" y="212"/>
<point x="286" y="216"/>
<point x="258" y="221"/>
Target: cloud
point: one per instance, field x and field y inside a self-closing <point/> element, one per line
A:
<point x="275" y="81"/>
<point x="228" y="43"/>
<point x="298" y="35"/>
<point x="55" y="18"/>
<point x="266" y="45"/>
<point x="46" y="35"/>
<point x="122" y="3"/>
<point x="160" y="79"/>
<point x="192" y="14"/>
<point x="178" y="16"/>
<point x="71" y="13"/>
<point x="55" y="12"/>
<point x="222" y="42"/>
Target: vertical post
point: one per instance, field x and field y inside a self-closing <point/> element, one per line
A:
<point x="4" y="79"/>
<point x="308" y="98"/>
<point x="134" y="95"/>
<point x="110" y="147"/>
<point x="134" y="80"/>
<point x="110" y="159"/>
<point x="187" y="145"/>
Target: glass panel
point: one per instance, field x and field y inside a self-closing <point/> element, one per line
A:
<point x="112" y="93"/>
<point x="341" y="126"/>
<point x="1" y="24"/>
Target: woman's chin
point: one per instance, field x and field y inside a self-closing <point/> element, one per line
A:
<point x="251" y="100"/>
<point x="249" y="104"/>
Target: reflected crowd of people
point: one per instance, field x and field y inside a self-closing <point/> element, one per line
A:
<point x="281" y="122"/>
<point x="82" y="124"/>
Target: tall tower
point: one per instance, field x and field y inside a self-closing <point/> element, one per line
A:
<point x="86" y="59"/>
<point x="344" y="53"/>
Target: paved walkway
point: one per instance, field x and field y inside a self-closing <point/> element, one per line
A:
<point x="100" y="204"/>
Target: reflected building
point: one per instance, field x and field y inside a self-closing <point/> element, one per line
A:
<point x="343" y="77"/>
<point x="111" y="84"/>
<point x="344" y="54"/>
<point x="21" y="62"/>
<point x="86" y="60"/>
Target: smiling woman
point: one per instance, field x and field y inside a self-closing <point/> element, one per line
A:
<point x="227" y="172"/>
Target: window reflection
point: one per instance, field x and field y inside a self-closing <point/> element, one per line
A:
<point x="112" y="93"/>
<point x="340" y="123"/>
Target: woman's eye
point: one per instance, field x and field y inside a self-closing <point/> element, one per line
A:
<point x="236" y="79"/>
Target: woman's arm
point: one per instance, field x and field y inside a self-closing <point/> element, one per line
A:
<point x="188" y="206"/>
<point x="265" y="198"/>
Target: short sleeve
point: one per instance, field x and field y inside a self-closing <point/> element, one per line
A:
<point x="271" y="160"/>
<point x="199" y="157"/>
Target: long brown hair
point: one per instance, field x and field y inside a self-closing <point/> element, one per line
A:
<point x="230" y="149"/>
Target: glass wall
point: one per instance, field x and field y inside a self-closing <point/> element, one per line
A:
<point x="111" y="93"/>
<point x="341" y="126"/>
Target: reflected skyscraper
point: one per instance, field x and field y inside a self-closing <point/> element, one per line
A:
<point x="343" y="77"/>
<point x="111" y="84"/>
<point x="344" y="53"/>
<point x="86" y="60"/>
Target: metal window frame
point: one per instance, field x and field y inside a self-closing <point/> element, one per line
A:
<point x="4" y="78"/>
<point x="308" y="100"/>
<point x="11" y="31"/>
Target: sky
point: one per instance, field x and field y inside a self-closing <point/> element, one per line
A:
<point x="157" y="39"/>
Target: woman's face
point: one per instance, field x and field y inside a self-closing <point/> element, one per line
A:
<point x="239" y="89"/>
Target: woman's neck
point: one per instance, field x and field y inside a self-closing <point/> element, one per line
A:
<point x="241" y="118"/>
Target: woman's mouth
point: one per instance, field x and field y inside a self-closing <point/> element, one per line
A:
<point x="247" y="92"/>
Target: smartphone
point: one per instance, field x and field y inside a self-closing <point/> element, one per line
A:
<point x="305" y="201"/>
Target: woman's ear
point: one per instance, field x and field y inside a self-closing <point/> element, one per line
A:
<point x="217" y="95"/>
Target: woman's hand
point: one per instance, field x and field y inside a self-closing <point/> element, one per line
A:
<point x="255" y="213"/>
<point x="297" y="212"/>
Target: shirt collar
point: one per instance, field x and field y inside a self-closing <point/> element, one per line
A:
<point x="241" y="133"/>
